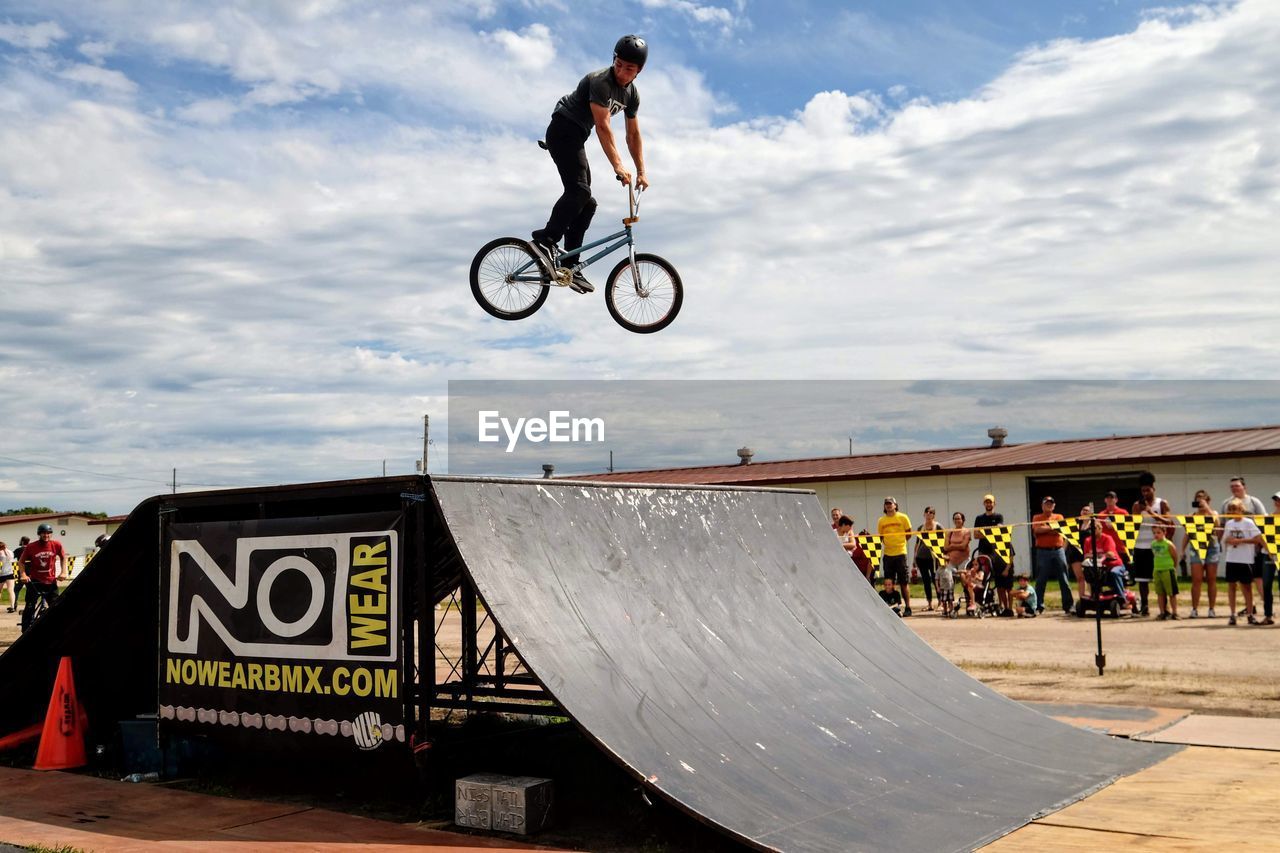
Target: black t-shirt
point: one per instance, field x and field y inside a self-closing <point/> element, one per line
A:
<point x="598" y="87"/>
<point x="993" y="519"/>
<point x="893" y="599"/>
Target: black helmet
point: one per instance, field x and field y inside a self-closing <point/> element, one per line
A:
<point x="631" y="49"/>
<point x="44" y="528"/>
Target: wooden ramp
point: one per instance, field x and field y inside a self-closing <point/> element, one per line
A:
<point x="1233" y="732"/>
<point x="88" y="813"/>
<point x="1203" y="798"/>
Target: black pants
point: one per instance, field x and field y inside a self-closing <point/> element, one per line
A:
<point x="572" y="213"/>
<point x="34" y="591"/>
<point x="927" y="570"/>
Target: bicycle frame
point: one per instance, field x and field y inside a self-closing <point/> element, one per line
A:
<point x="623" y="238"/>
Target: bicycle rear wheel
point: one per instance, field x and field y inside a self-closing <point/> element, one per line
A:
<point x="508" y="279"/>
<point x="647" y="301"/>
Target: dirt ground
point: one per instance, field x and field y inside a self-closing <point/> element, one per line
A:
<point x="1199" y="664"/>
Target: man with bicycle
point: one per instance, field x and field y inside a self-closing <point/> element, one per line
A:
<point x="598" y="96"/>
<point x="42" y="566"/>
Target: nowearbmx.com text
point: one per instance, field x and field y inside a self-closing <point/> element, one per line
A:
<point x="559" y="426"/>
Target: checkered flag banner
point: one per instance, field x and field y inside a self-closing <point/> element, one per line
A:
<point x="1199" y="531"/>
<point x="873" y="547"/>
<point x="1126" y="528"/>
<point x="1001" y="538"/>
<point x="1270" y="527"/>
<point x="1067" y="529"/>
<point x="934" y="539"/>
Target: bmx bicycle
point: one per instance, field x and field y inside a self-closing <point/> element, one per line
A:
<point x="643" y="292"/>
<point x="41" y="604"/>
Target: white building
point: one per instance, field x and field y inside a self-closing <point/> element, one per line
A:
<point x="1074" y="472"/>
<point x="75" y="532"/>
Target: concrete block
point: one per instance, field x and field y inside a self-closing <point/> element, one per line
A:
<point x="473" y="800"/>
<point x="522" y="804"/>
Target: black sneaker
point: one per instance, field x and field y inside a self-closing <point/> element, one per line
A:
<point x="548" y="252"/>
<point x="906" y="612"/>
<point x="580" y="284"/>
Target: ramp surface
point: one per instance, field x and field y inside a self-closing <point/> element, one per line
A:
<point x="719" y="644"/>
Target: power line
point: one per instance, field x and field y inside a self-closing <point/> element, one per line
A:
<point x="81" y="471"/>
<point x="114" y="476"/>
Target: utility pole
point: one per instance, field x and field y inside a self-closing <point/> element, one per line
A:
<point x="610" y="461"/>
<point x="426" y="438"/>
<point x="175" y="481"/>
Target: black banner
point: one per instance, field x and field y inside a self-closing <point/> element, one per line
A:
<point x="285" y="630"/>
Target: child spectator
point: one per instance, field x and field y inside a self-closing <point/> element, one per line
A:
<point x="1164" y="555"/>
<point x="1028" y="601"/>
<point x="1240" y="541"/>
<point x="890" y="596"/>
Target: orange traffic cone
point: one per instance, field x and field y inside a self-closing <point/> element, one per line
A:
<point x="62" y="742"/>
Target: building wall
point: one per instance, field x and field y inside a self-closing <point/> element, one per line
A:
<point x="73" y="531"/>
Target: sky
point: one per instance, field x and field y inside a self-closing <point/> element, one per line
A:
<point x="234" y="237"/>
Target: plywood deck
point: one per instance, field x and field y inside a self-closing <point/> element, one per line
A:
<point x="95" y="814"/>
<point x="1203" y="798"/>
<point x="1209" y="730"/>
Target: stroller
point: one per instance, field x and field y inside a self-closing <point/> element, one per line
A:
<point x="1102" y="597"/>
<point x="984" y="601"/>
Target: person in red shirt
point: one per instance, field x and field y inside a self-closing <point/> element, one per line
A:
<point x="42" y="566"/>
<point x="1111" y="507"/>
<point x="1099" y="542"/>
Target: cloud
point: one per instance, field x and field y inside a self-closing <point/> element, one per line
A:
<point x="717" y="17"/>
<point x="531" y="49"/>
<point x="102" y="78"/>
<point x="245" y="231"/>
<point x="32" y="36"/>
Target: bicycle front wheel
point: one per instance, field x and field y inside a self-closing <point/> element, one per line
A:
<point x="508" y="280"/>
<point x="647" y="300"/>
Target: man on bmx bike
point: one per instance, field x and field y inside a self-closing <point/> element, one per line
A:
<point x="42" y="565"/>
<point x="598" y="96"/>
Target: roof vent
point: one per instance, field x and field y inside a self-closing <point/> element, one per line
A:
<point x="744" y="455"/>
<point x="997" y="436"/>
<point x="547" y="471"/>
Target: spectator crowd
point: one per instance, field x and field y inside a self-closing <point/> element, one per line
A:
<point x="1108" y="558"/>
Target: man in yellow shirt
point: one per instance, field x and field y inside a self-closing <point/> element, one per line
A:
<point x="895" y="527"/>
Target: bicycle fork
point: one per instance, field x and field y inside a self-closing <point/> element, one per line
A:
<point x="641" y="290"/>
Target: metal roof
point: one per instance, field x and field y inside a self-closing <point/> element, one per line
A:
<point x="1114" y="450"/>
<point x="40" y="516"/>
